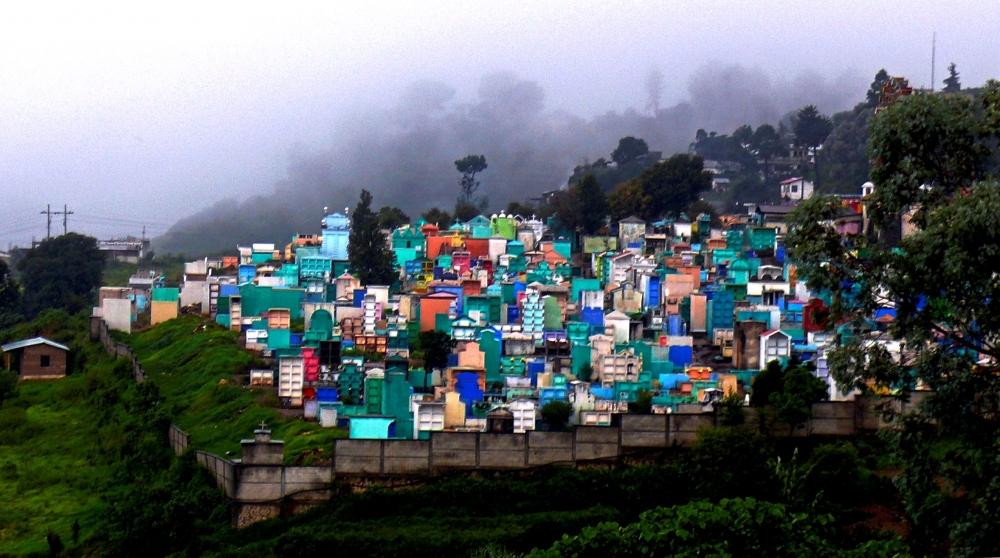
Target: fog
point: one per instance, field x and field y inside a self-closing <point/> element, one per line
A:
<point x="139" y="116"/>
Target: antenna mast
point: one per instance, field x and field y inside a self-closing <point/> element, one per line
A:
<point x="933" y="52"/>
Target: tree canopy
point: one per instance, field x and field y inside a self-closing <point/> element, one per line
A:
<point x="368" y="253"/>
<point x="469" y="166"/>
<point x="437" y="216"/>
<point x="629" y="149"/>
<point x="934" y="164"/>
<point x="739" y="527"/>
<point x="811" y="130"/>
<point x="582" y="207"/>
<point x="10" y="297"/>
<point x="630" y="158"/>
<point x="61" y="272"/>
<point x="391" y="217"/>
<point x="952" y="83"/>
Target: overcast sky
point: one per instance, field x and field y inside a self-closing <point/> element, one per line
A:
<point x="138" y="114"/>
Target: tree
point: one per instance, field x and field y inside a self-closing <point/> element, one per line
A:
<point x="768" y="381"/>
<point x="470" y="166"/>
<point x="593" y="205"/>
<point x="699" y="207"/>
<point x="390" y="218"/>
<point x="10" y="298"/>
<point x="933" y="156"/>
<point x="8" y="386"/>
<point x="672" y="185"/>
<point x="436" y="347"/>
<point x="368" y="253"/>
<point x="582" y="207"/>
<point x="799" y="390"/>
<point x="628" y="199"/>
<point x="61" y="272"/>
<point x="643" y="404"/>
<point x="874" y="94"/>
<point x="742" y="527"/>
<point x="557" y="413"/>
<point x="465" y="212"/>
<point x="766" y="144"/>
<point x="845" y="152"/>
<point x="951" y="83"/>
<point x="629" y="149"/>
<point x="437" y="216"/>
<point x="520" y="208"/>
<point x="731" y="410"/>
<point x="811" y="130"/>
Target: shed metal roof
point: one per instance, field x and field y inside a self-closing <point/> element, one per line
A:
<point x="31" y="342"/>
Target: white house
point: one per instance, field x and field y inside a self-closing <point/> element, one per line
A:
<point x="796" y="189"/>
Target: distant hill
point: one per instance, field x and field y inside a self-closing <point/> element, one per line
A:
<point x="405" y="154"/>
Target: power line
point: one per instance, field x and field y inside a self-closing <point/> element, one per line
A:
<point x="48" y="216"/>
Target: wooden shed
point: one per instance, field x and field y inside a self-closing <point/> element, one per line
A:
<point x="36" y="359"/>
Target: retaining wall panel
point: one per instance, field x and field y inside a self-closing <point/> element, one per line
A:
<point x="644" y="423"/>
<point x="644" y="439"/>
<point x="547" y="440"/>
<point x="556" y="456"/>
<point x="596" y="435"/>
<point x="588" y="451"/>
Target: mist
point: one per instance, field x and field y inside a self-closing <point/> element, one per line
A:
<point x="255" y="116"/>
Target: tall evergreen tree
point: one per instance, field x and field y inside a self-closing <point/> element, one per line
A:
<point x="593" y="205"/>
<point x="875" y="89"/>
<point x="766" y="144"/>
<point x="368" y="252"/>
<point x="10" y="297"/>
<point x="951" y="83"/>
<point x="811" y="130"/>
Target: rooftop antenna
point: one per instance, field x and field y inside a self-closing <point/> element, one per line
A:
<point x="933" y="52"/>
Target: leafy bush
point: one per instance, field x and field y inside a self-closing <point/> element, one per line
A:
<point x="744" y="528"/>
<point x="557" y="413"/>
<point x="736" y="461"/>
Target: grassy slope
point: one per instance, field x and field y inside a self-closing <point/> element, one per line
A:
<point x="193" y="361"/>
<point x="49" y="471"/>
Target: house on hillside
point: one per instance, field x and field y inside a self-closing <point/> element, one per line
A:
<point x="796" y="189"/>
<point x="36" y="359"/>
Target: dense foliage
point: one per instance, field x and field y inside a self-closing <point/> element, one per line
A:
<point x="666" y="188"/>
<point x="628" y="160"/>
<point x="63" y="272"/>
<point x="737" y="528"/>
<point x="10" y="298"/>
<point x="582" y="207"/>
<point x="934" y="168"/>
<point x="368" y="252"/>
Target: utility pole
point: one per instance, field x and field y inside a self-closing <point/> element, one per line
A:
<point x="65" y="213"/>
<point x="48" y="224"/>
<point x="48" y="219"/>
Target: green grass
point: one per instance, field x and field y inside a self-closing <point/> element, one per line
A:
<point x="117" y="274"/>
<point x="194" y="363"/>
<point x="50" y="473"/>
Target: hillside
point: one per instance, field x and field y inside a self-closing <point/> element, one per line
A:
<point x="201" y="371"/>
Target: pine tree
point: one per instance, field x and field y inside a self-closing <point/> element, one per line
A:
<point x="370" y="257"/>
<point x="951" y="83"/>
<point x="593" y="205"/>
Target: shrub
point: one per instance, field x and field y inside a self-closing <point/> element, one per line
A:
<point x="557" y="413"/>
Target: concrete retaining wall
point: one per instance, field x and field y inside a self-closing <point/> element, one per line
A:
<point x="179" y="440"/>
<point x="99" y="332"/>
<point x="223" y="469"/>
